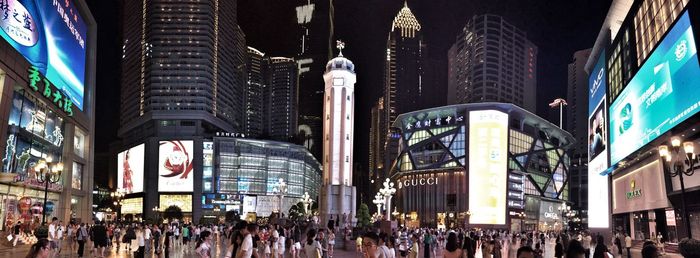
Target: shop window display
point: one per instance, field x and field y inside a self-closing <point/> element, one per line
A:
<point x="35" y="132"/>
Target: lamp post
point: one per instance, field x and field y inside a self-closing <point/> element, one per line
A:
<point x="157" y="211"/>
<point x="117" y="196"/>
<point x="388" y="191"/>
<point x="282" y="190"/>
<point x="564" y="209"/>
<point x="559" y="103"/>
<point x="47" y="172"/>
<point x="307" y="201"/>
<point x="679" y="163"/>
<point x="379" y="201"/>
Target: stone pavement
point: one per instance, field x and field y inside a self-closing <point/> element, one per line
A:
<point x="182" y="251"/>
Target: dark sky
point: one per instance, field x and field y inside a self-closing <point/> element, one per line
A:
<point x="558" y="28"/>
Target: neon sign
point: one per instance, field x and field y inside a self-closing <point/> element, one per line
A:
<point x="53" y="94"/>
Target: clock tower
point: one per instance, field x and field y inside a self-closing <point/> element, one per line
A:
<point x="337" y="200"/>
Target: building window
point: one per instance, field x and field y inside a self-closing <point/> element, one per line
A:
<point x="77" y="179"/>
<point x="79" y="142"/>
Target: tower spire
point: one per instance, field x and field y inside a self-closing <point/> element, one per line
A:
<point x="340" y="45"/>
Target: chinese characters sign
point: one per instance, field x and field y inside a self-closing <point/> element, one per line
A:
<point x="39" y="83"/>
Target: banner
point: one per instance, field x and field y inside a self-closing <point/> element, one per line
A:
<point x="175" y="166"/>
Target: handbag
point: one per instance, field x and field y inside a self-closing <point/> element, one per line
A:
<point x="9" y="238"/>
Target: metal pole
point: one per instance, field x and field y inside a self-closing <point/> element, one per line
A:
<point x="685" y="212"/>
<point x="46" y="197"/>
<point x="561" y="112"/>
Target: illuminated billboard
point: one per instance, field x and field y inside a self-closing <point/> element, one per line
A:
<point x="662" y="94"/>
<point x="598" y="215"/>
<point x="175" y="166"/>
<point x="132" y="206"/>
<point x="51" y="35"/>
<point x="130" y="169"/>
<point x="488" y="175"/>
<point x="183" y="201"/>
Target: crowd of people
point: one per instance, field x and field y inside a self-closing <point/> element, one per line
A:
<point x="250" y="240"/>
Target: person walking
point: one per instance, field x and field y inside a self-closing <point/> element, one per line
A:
<point x="41" y="249"/>
<point x="16" y="233"/>
<point x="82" y="236"/>
<point x="203" y="246"/>
<point x="452" y="248"/>
<point x="628" y="245"/>
<point x="559" y="248"/>
<point x="100" y="238"/>
<point x="147" y="238"/>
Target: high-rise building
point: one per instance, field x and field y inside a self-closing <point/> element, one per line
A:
<point x="577" y="125"/>
<point x="492" y="61"/>
<point x="338" y="193"/>
<point x="315" y="32"/>
<point x="254" y="103"/>
<point x="403" y="72"/>
<point x="281" y="98"/>
<point x="182" y="65"/>
<point x="377" y="138"/>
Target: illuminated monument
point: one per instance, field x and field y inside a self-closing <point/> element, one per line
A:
<point x="337" y="197"/>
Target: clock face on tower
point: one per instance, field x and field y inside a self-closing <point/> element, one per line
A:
<point x="338" y="81"/>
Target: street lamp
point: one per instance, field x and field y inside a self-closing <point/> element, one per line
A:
<point x="388" y="191"/>
<point x="117" y="196"/>
<point x="47" y="172"/>
<point x="307" y="201"/>
<point x="157" y="211"/>
<point x="679" y="163"/>
<point x="282" y="190"/>
<point x="379" y="201"/>
<point x="564" y="209"/>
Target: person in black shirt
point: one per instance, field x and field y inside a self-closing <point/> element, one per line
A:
<point x="15" y="233"/>
<point x="99" y="233"/>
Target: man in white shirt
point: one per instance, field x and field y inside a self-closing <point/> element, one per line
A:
<point x="59" y="235"/>
<point x="53" y="227"/>
<point x="246" y="249"/>
<point x="628" y="244"/>
<point x="147" y="238"/>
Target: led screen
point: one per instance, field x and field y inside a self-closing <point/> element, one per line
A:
<point x="598" y="215"/>
<point x="132" y="206"/>
<point x="662" y="94"/>
<point x="183" y="201"/>
<point x="130" y="169"/>
<point x="51" y="35"/>
<point x="175" y="166"/>
<point x="488" y="175"/>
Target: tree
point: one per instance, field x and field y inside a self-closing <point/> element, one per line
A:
<point x="363" y="216"/>
<point x="297" y="211"/>
<point x="173" y="212"/>
<point x="232" y="216"/>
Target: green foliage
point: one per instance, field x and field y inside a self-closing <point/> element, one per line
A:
<point x="363" y="217"/>
<point x="41" y="232"/>
<point x="297" y="211"/>
<point x="173" y="212"/>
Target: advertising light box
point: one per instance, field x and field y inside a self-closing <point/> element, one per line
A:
<point x="175" y="166"/>
<point x="598" y="215"/>
<point x="130" y="169"/>
<point x="662" y="94"/>
<point x="51" y="35"/>
<point x="183" y="201"/>
<point x="488" y="175"/>
<point x="132" y="206"/>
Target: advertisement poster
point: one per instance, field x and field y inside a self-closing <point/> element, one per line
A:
<point x="488" y="174"/>
<point x="51" y="35"/>
<point x="130" y="169"/>
<point x="598" y="215"/>
<point x="662" y="94"/>
<point x="175" y="166"/>
<point x="183" y="201"/>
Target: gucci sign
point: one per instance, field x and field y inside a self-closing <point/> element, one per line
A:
<point x="417" y="182"/>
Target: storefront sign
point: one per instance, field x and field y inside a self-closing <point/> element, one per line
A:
<point x="419" y="181"/>
<point x="635" y="192"/>
<point x="53" y="94"/>
<point x="549" y="212"/>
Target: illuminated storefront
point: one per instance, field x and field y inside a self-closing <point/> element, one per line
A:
<point x="485" y="157"/>
<point x="47" y="89"/>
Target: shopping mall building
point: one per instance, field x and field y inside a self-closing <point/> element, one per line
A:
<point x="491" y="165"/>
<point x="47" y="82"/>
<point x="208" y="177"/>
<point x="643" y="109"/>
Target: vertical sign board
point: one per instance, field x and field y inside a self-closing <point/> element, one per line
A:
<point x="130" y="168"/>
<point x="598" y="214"/>
<point x="175" y="167"/>
<point x="488" y="175"/>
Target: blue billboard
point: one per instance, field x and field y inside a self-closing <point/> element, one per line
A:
<point x="662" y="94"/>
<point x="51" y="35"/>
<point x="597" y="84"/>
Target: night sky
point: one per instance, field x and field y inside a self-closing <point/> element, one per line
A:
<point x="558" y="28"/>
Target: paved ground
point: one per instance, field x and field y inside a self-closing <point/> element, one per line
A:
<point x="186" y="251"/>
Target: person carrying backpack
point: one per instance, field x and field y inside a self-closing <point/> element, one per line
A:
<point x="82" y="236"/>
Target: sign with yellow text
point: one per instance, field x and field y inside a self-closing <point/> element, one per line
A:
<point x="488" y="157"/>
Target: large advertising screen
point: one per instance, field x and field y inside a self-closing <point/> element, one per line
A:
<point x="662" y="94"/>
<point x="175" y="166"/>
<point x="130" y="169"/>
<point x="488" y="175"/>
<point x="51" y="35"/>
<point x="183" y="201"/>
<point x="598" y="215"/>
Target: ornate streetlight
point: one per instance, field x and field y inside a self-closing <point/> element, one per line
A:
<point x="47" y="172"/>
<point x="388" y="191"/>
<point x="379" y="201"/>
<point x="307" y="201"/>
<point x="679" y="163"/>
<point x="157" y="211"/>
<point x="117" y="196"/>
<point x="281" y="190"/>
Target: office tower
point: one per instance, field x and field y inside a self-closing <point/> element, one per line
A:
<point x="493" y="61"/>
<point x="182" y="67"/>
<point x="403" y="72"/>
<point x="338" y="193"/>
<point x="314" y="21"/>
<point x="377" y="138"/>
<point x="281" y="98"/>
<point x="577" y="125"/>
<point x="256" y="67"/>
